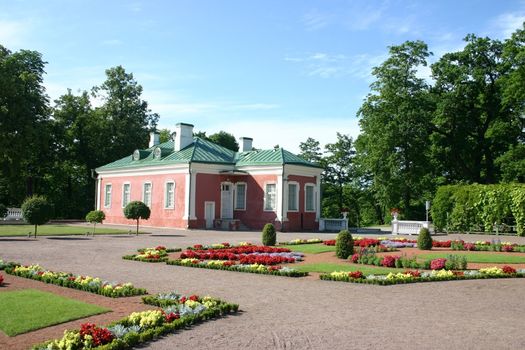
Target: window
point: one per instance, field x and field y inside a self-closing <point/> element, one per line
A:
<point x="169" y="198"/>
<point x="293" y="198"/>
<point x="240" y="196"/>
<point x="309" y="198"/>
<point x="107" y="196"/>
<point x="126" y="194"/>
<point x="269" y="197"/>
<point x="146" y="194"/>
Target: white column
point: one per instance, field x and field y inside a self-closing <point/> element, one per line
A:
<point x="318" y="198"/>
<point x="98" y="196"/>
<point x="187" y="198"/>
<point x="279" y="198"/>
<point x="193" y="182"/>
<point x="285" y="199"/>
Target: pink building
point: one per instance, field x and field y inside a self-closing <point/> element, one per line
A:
<point x="189" y="182"/>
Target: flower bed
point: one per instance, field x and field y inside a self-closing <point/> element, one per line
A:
<point x="414" y="276"/>
<point x="1" y="280"/>
<point x="157" y="254"/>
<point x="232" y="266"/>
<point x="452" y="262"/>
<point x="224" y="245"/>
<point x="85" y="283"/>
<point x="298" y="241"/>
<point x="494" y="246"/>
<point x="177" y="312"/>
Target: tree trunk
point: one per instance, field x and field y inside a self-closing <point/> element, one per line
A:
<point x="137" y="227"/>
<point x="35" y="229"/>
<point x="95" y="224"/>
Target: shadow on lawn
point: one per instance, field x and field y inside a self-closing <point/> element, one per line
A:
<point x="168" y="235"/>
<point x="2" y="239"/>
<point x="70" y="238"/>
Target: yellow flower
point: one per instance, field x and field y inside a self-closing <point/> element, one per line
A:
<point x="491" y="270"/>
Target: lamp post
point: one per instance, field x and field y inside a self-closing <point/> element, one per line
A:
<point x="427" y="207"/>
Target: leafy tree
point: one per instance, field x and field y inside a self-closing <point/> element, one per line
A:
<point x="395" y="120"/>
<point x="225" y="139"/>
<point x="24" y="124"/>
<point x="36" y="210"/>
<point x="137" y="210"/>
<point x="3" y="211"/>
<point x="512" y="164"/>
<point x="95" y="217"/>
<point x="311" y="150"/>
<point x="164" y="135"/>
<point x="472" y="126"/>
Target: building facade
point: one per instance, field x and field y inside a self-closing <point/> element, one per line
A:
<point x="189" y="182"/>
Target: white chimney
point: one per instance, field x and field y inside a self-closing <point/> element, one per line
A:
<point x="246" y="144"/>
<point x="154" y="138"/>
<point x="183" y="136"/>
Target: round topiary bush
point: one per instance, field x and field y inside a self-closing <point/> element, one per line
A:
<point x="95" y="217"/>
<point x="424" y="241"/>
<point x="344" y="245"/>
<point x="36" y="210"/>
<point x="137" y="210"/>
<point x="269" y="236"/>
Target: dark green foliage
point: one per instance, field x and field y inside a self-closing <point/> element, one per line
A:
<point x="225" y="140"/>
<point x="137" y="210"/>
<point x="269" y="236"/>
<point x="3" y="211"/>
<point x="95" y="217"/>
<point x="36" y="210"/>
<point x="344" y="246"/>
<point x="424" y="241"/>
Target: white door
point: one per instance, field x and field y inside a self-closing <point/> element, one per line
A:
<point x="209" y="213"/>
<point x="226" y="201"/>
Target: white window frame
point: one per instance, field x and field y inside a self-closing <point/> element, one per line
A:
<point x="144" y="192"/>
<point x="314" y="194"/>
<point x="265" y="208"/>
<point x="235" y="196"/>
<point x="124" y="194"/>
<point x="296" y="201"/>
<point x="166" y="206"/>
<point x="107" y="200"/>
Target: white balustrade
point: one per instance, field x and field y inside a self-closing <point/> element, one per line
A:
<point x="407" y="227"/>
<point x="13" y="214"/>
<point x="333" y="224"/>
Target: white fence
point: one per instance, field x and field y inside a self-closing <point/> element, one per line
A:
<point x="333" y="224"/>
<point x="14" y="214"/>
<point x="406" y="227"/>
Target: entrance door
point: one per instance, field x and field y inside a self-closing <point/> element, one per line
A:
<point x="226" y="200"/>
<point x="209" y="213"/>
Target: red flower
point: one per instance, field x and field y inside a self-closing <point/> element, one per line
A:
<point x="355" y="274"/>
<point x="100" y="335"/>
<point x="508" y="269"/>
<point x="226" y="244"/>
<point x="160" y="247"/>
<point x="329" y="242"/>
<point x="508" y="248"/>
<point x="197" y="246"/>
<point x="194" y="297"/>
<point x="170" y="317"/>
<point x="355" y="258"/>
<point x="469" y="246"/>
<point x="413" y="273"/>
<point x="182" y="300"/>
<point x="441" y="244"/>
<point x="389" y="261"/>
<point x="1" y="280"/>
<point x="438" y="264"/>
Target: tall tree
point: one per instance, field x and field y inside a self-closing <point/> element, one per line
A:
<point x="164" y="135"/>
<point x="395" y="122"/>
<point x="225" y="139"/>
<point x="472" y="125"/>
<point x="311" y="150"/>
<point x="339" y="165"/>
<point x="128" y="120"/>
<point x="25" y="134"/>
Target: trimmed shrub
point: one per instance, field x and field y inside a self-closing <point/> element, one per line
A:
<point x="269" y="236"/>
<point x="3" y="211"/>
<point x="36" y="210"/>
<point x="344" y="245"/>
<point x="95" y="217"/>
<point x="137" y="210"/>
<point x="424" y="241"/>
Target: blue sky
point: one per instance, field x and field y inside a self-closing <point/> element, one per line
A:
<point x="276" y="71"/>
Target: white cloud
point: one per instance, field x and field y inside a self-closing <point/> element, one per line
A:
<point x="506" y="24"/>
<point x="315" y="20"/>
<point x="112" y="42"/>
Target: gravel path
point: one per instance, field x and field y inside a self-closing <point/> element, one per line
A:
<point x="290" y="313"/>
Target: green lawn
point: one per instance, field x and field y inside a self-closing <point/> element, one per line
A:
<point x="331" y="267"/>
<point x="56" y="230"/>
<point x="25" y="310"/>
<point x="475" y="257"/>
<point x="310" y="248"/>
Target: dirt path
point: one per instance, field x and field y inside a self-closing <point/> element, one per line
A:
<point x="298" y="313"/>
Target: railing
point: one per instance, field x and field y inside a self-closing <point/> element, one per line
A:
<point x="406" y="227"/>
<point x="333" y="224"/>
<point x="14" y="214"/>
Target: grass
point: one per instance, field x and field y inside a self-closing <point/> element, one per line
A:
<point x="476" y="257"/>
<point x="57" y="230"/>
<point x="309" y="248"/>
<point x="331" y="267"/>
<point x="26" y="310"/>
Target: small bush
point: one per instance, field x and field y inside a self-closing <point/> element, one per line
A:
<point x="344" y="246"/>
<point x="269" y="236"/>
<point x="36" y="210"/>
<point x="424" y="241"/>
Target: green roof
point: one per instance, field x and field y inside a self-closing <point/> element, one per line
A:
<point x="204" y="151"/>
